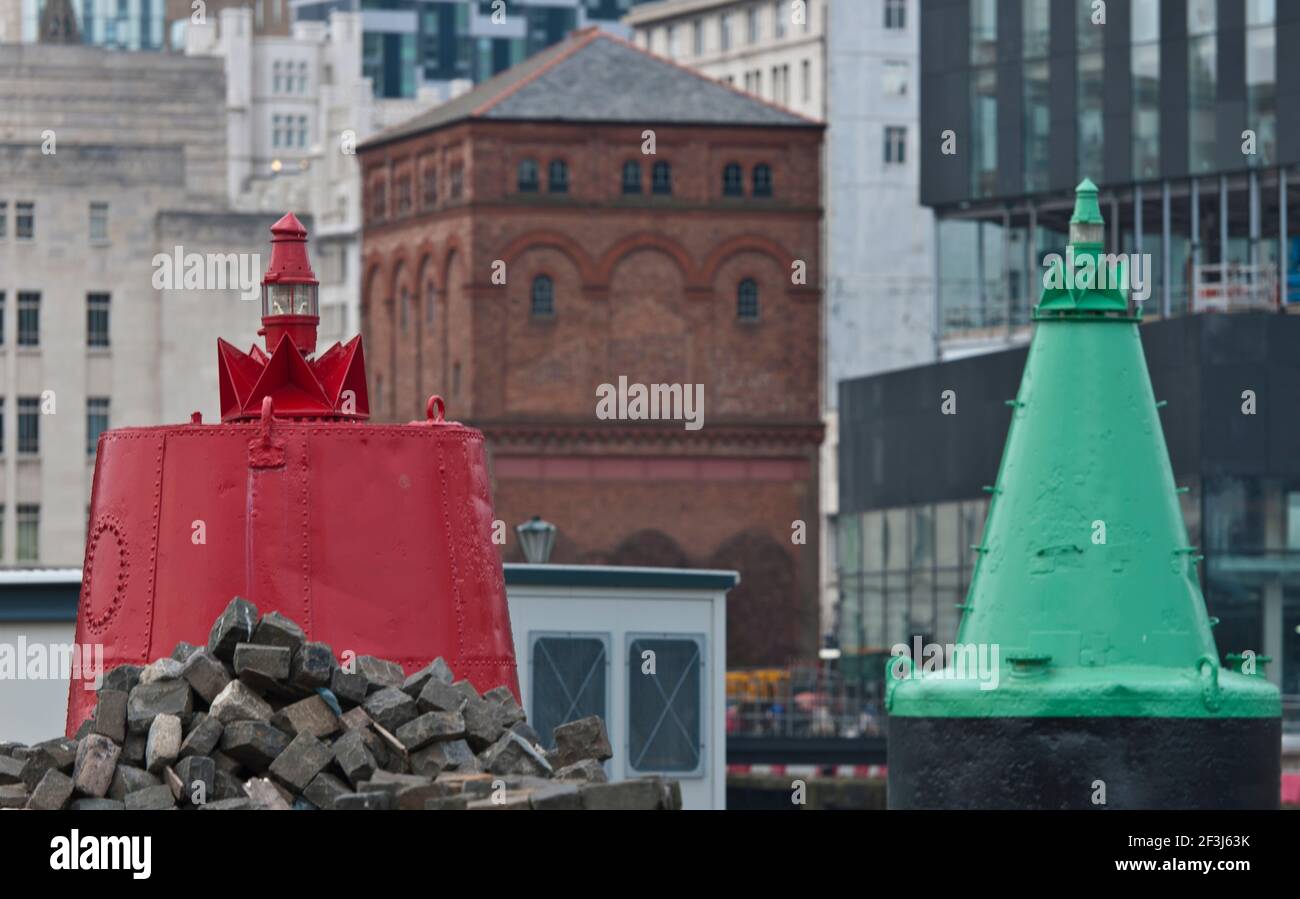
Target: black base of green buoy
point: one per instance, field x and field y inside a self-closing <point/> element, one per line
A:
<point x="1071" y="763"/>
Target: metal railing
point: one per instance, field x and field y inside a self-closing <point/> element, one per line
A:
<point x="1232" y="287"/>
<point x="840" y="712"/>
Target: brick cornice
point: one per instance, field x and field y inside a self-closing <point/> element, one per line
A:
<point x="661" y="436"/>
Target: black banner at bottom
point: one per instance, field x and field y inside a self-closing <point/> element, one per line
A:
<point x="386" y="849"/>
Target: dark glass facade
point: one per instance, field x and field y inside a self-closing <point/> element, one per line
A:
<point x="1177" y="110"/>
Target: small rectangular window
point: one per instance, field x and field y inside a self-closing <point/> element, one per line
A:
<point x="2" y="436"/>
<point x="97" y="308"/>
<point x="666" y="712"/>
<point x="29" y="318"/>
<point x="29" y="425"/>
<point x="430" y="188"/>
<point x="895" y="14"/>
<point x="404" y="195"/>
<point x="895" y="145"/>
<point x="4" y="218"/>
<point x="29" y="532"/>
<point x="894" y="77"/>
<point x="96" y="421"/>
<point x="25" y="221"/>
<point x="570" y="674"/>
<point x="2" y="317"/>
<point x="98" y="222"/>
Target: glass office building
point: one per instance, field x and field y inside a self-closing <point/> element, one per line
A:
<point x="408" y="43"/>
<point x="1176" y="110"/>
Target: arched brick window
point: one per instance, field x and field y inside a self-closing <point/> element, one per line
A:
<point x="543" y="298"/>
<point x="631" y="177"/>
<point x="528" y="176"/>
<point x="661" y="179"/>
<point x="747" y="300"/>
<point x="762" y="180"/>
<point x="430" y="296"/>
<point x="557" y="181"/>
<point x="733" y="180"/>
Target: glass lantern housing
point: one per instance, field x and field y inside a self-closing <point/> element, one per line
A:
<point x="290" y="299"/>
<point x="1086" y="232"/>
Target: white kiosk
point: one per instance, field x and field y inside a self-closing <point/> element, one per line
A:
<point x="644" y="648"/>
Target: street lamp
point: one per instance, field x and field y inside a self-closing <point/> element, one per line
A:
<point x="537" y="538"/>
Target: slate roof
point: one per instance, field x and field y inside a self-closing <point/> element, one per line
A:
<point x="593" y="76"/>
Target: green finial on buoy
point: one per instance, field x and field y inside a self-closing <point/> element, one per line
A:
<point x="1085" y="283"/>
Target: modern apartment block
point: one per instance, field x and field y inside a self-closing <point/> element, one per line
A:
<point x="414" y="45"/>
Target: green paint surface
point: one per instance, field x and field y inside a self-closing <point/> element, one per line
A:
<point x="1085" y="583"/>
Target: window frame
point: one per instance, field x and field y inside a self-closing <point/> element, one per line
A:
<point x="662" y="188"/>
<point x="533" y="314"/>
<point x="558" y="185"/>
<point x="895" y="140"/>
<point x="96" y="405"/>
<point x="633" y="665"/>
<point x="100" y="237"/>
<point x="605" y="638"/>
<point x="94" y="308"/>
<point x="628" y="189"/>
<point x="758" y="306"/>
<point x="31" y="446"/>
<point x="727" y="180"/>
<point x="895" y="15"/>
<point x="30" y="509"/>
<point x="523" y="183"/>
<point x="29" y="208"/>
<point x="765" y="187"/>
<point x="36" y="304"/>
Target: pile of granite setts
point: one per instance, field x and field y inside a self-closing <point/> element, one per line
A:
<point x="261" y="718"/>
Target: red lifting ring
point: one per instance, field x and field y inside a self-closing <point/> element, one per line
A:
<point x="436" y="410"/>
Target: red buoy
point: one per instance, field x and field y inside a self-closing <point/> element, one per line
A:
<point x="375" y="538"/>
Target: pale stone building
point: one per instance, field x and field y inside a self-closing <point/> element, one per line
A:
<point x="97" y="150"/>
<point x="774" y="49"/>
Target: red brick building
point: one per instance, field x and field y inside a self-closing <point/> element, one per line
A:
<point x="598" y="212"/>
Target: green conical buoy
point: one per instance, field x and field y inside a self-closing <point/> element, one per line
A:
<point x="1085" y="653"/>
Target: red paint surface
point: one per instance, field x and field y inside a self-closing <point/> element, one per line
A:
<point x="376" y="539"/>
